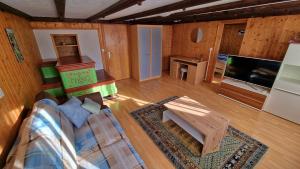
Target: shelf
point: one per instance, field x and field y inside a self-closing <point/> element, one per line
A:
<point x="66" y="45"/>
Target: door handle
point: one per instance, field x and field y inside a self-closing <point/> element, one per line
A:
<point x="109" y="55"/>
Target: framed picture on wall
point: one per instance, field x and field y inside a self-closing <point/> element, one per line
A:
<point x="14" y="44"/>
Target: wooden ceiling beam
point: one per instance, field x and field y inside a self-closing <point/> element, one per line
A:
<point x="12" y="10"/>
<point x="69" y="20"/>
<point x="60" y="8"/>
<point x="150" y="20"/>
<point x="227" y="6"/>
<point x="167" y="8"/>
<point x="284" y="8"/>
<point x="120" y="5"/>
<point x="288" y="8"/>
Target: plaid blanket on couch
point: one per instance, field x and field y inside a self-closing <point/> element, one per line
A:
<point x="47" y="139"/>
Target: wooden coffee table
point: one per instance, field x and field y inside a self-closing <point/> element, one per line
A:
<point x="204" y="124"/>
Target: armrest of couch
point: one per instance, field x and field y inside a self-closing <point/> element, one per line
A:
<point x="45" y="95"/>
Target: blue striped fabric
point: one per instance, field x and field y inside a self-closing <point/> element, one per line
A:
<point x="55" y="143"/>
<point x="44" y="149"/>
<point x="121" y="130"/>
<point x="84" y="139"/>
<point x="46" y="122"/>
<point x="43" y="153"/>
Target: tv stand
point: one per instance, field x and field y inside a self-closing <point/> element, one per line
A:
<point x="244" y="92"/>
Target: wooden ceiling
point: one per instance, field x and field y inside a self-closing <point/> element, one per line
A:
<point x="169" y="12"/>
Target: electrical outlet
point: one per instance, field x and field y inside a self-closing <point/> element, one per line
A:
<point x="1" y="93"/>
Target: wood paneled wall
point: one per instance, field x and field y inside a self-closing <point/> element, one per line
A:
<point x="231" y="39"/>
<point x="19" y="81"/>
<point x="167" y="46"/>
<point x="182" y="44"/>
<point x="268" y="37"/>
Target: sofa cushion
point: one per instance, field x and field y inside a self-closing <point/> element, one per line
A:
<point x="91" y="106"/>
<point x="120" y="156"/>
<point x="92" y="159"/>
<point x="74" y="112"/>
<point x="115" y="122"/>
<point x="103" y="129"/>
<point x="118" y="126"/>
<point x="84" y="139"/>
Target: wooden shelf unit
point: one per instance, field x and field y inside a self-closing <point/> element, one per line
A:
<point x="66" y="45"/>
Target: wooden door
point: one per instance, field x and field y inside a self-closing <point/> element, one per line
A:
<point x="156" y="59"/>
<point x="144" y="52"/>
<point x="115" y="50"/>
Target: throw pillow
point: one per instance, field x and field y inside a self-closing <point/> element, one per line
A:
<point x="91" y="106"/>
<point x="74" y="112"/>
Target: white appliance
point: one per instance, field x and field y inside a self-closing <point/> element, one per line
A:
<point x="284" y="98"/>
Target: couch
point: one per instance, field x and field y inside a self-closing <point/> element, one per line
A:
<point x="47" y="139"/>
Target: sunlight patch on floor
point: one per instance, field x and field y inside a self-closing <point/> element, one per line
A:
<point x="121" y="97"/>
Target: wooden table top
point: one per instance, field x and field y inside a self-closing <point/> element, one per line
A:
<point x="188" y="59"/>
<point x="197" y="115"/>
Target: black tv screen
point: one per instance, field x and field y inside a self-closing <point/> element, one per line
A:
<point x="256" y="71"/>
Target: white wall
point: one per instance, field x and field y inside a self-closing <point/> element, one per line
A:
<point x="88" y="42"/>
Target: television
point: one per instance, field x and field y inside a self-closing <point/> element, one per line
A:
<point x="256" y="71"/>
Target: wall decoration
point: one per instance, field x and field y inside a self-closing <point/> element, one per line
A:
<point x="197" y="35"/>
<point x="14" y="44"/>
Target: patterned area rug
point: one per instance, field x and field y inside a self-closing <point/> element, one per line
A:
<point x="237" y="149"/>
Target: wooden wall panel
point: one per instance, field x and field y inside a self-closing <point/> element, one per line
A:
<point x="167" y="46"/>
<point x="231" y="39"/>
<point x="133" y="51"/>
<point x="262" y="37"/>
<point x="183" y="45"/>
<point x="19" y="81"/>
<point x="268" y="37"/>
<point x="62" y="25"/>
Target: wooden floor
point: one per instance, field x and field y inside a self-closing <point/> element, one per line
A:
<point x="281" y="136"/>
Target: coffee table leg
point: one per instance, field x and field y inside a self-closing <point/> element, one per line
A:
<point x="165" y="116"/>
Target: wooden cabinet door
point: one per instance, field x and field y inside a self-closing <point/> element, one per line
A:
<point x="115" y="50"/>
<point x="144" y="52"/>
<point x="156" y="59"/>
